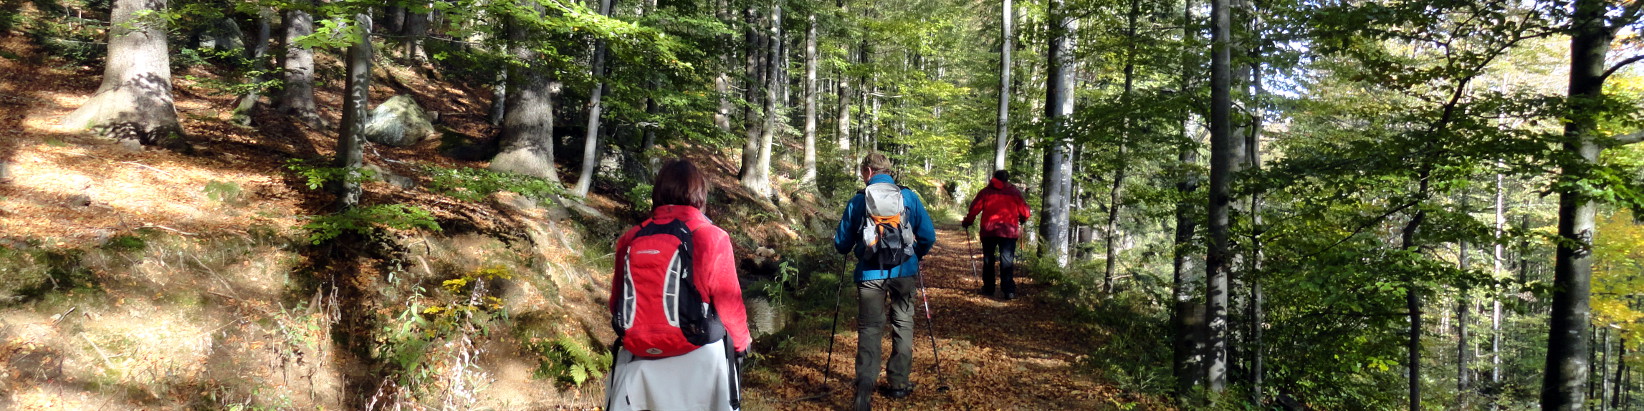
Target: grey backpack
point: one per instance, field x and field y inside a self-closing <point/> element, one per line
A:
<point x="886" y="235"/>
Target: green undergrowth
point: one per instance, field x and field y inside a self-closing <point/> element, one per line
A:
<point x="1131" y="352"/>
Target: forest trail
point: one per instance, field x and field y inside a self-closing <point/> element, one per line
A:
<point x="995" y="354"/>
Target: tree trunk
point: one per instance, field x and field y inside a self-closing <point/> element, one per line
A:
<point x="1253" y="153"/>
<point x="590" y="140"/>
<point x="1567" y="344"/>
<point x="843" y="117"/>
<point x="1463" y="308"/>
<point x="356" y="100"/>
<point x="722" y="80"/>
<point x="1618" y="381"/>
<point x="417" y="20"/>
<point x="297" y="90"/>
<point x="394" y="20"/>
<point x="1603" y="369"/>
<point x="527" y="145"/>
<point x="1412" y="302"/>
<point x="754" y="91"/>
<point x="133" y="105"/>
<point x="809" y="176"/>
<point x="259" y="61"/>
<point x="1498" y="255"/>
<point x="1007" y="44"/>
<point x="1116" y="191"/>
<point x="758" y="179"/>
<point x="499" y="97"/>
<point x="1188" y="314"/>
<point x="1058" y="171"/>
<point x="1218" y="258"/>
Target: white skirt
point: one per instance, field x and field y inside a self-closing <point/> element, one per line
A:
<point x="695" y="381"/>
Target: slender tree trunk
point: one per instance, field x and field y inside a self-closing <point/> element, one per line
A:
<point x="259" y="61"/>
<point x="1058" y="170"/>
<point x="1412" y="300"/>
<point x="1463" y="308"/>
<point x="809" y="176"/>
<point x="133" y="105"/>
<point x="1007" y="45"/>
<point x="527" y="145"/>
<point x="1253" y="153"/>
<point x="842" y="87"/>
<point x="297" y="90"/>
<point x="1618" y="382"/>
<point x="1219" y="258"/>
<point x="1498" y="256"/>
<point x="499" y="97"/>
<point x="1604" y="369"/>
<point x="590" y="141"/>
<point x="722" y="80"/>
<point x="1187" y="317"/>
<point x="1116" y="191"/>
<point x="1567" y="344"/>
<point x="844" y="94"/>
<point x="356" y="100"/>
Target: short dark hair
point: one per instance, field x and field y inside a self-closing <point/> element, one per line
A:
<point x="679" y="183"/>
<point x="1002" y="175"/>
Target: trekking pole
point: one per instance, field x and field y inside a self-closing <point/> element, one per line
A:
<point x="827" y="372"/>
<point x="972" y="257"/>
<point x="930" y="325"/>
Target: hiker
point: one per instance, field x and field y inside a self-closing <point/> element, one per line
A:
<point x="1003" y="212"/>
<point x="888" y="229"/>
<point x="676" y="305"/>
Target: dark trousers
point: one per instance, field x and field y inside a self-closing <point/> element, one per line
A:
<point x="1002" y="250"/>
<point x="870" y="330"/>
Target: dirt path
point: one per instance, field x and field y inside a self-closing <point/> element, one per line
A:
<point x="995" y="354"/>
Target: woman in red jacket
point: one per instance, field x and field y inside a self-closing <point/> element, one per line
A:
<point x="676" y="305"/>
<point x="1003" y="211"/>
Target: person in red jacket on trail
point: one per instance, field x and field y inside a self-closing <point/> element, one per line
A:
<point x="676" y="305"/>
<point x="1003" y="211"/>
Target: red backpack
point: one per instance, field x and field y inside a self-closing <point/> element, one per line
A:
<point x="662" y="314"/>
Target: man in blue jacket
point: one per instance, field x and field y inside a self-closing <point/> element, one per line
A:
<point x="879" y="242"/>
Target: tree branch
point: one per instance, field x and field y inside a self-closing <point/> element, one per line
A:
<point x="1619" y="65"/>
<point x="1629" y="138"/>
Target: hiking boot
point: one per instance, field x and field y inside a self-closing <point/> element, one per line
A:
<point x="986" y="292"/>
<point x="900" y="393"/>
<point x="1010" y="296"/>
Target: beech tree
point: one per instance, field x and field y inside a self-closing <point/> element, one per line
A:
<point x="356" y="103"/>
<point x="1592" y="28"/>
<point x="297" y="86"/>
<point x="133" y="105"/>
<point x="1057" y="183"/>
<point x="527" y="145"/>
<point x="596" y="105"/>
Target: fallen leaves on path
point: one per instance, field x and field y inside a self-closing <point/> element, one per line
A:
<point x="995" y="355"/>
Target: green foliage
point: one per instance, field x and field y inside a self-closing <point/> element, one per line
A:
<point x="570" y="361"/>
<point x="225" y="192"/>
<point x="364" y="220"/>
<point x="474" y="184"/>
<point x="318" y="176"/>
<point x="125" y="243"/>
<point x="639" y="195"/>
<point x="448" y="320"/>
<point x="76" y="40"/>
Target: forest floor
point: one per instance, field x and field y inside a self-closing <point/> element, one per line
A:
<point x="66" y="190"/>
<point x="1021" y="354"/>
